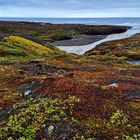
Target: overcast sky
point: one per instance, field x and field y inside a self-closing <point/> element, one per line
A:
<point x="69" y="8"/>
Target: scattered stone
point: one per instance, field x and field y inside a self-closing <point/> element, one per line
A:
<point x="28" y="92"/>
<point x="27" y="88"/>
<point x="135" y="63"/>
<point x="59" y="75"/>
<point x="113" y="85"/>
<point x="50" y="129"/>
<point x="61" y="71"/>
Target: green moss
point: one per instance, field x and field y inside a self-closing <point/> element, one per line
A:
<point x="28" y="46"/>
<point x="34" y="115"/>
<point x="117" y="127"/>
<point x="92" y="123"/>
<point x="6" y="49"/>
<point x="15" y="49"/>
<point x="118" y="118"/>
<point x="134" y="106"/>
<point x="10" y="53"/>
<point x="134" y="137"/>
<point x="104" y="87"/>
<point x="59" y="35"/>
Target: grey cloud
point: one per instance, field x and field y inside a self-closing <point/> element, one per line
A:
<point x="63" y="6"/>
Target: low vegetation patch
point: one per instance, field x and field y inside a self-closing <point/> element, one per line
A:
<point x="35" y="116"/>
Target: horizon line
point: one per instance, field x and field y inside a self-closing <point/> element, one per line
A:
<point x="69" y="17"/>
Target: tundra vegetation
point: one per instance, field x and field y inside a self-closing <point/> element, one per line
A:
<point x="48" y="94"/>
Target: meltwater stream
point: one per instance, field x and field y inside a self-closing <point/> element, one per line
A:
<point x="82" y="49"/>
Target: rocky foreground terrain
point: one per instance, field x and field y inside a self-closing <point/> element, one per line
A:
<point x="48" y="94"/>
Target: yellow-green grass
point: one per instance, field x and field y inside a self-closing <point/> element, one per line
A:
<point x="15" y="48"/>
<point x="27" y="45"/>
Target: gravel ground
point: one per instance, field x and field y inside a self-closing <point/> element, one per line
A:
<point x="80" y="40"/>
